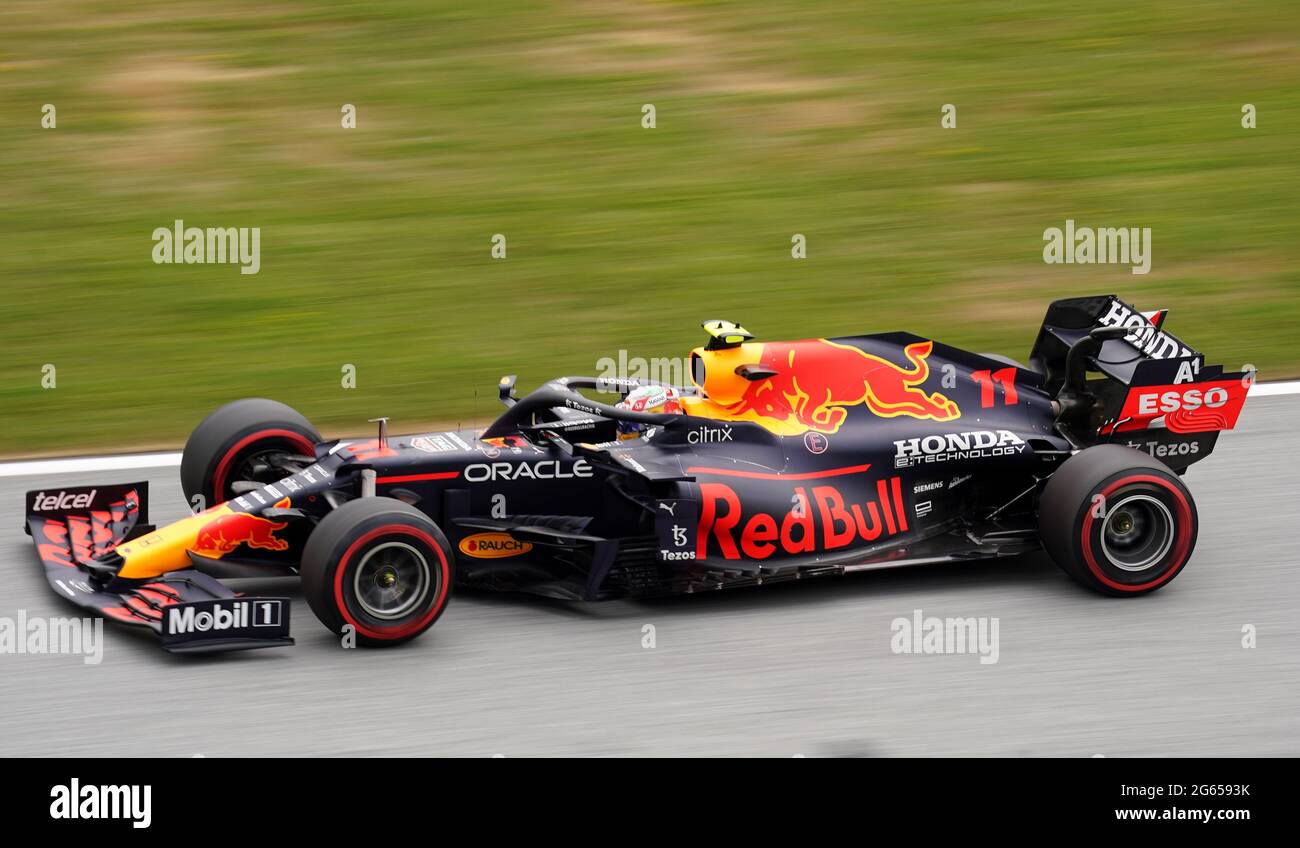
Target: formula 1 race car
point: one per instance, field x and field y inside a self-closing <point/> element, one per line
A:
<point x="783" y="460"/>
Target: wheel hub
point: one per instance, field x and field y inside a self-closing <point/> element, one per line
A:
<point x="1137" y="532"/>
<point x="392" y="579"/>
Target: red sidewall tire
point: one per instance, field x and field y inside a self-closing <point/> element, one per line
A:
<point x="1180" y="549"/>
<point x="1071" y="532"/>
<point x="338" y="547"/>
<point x="231" y="434"/>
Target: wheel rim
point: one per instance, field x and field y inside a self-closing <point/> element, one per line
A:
<point x="1137" y="533"/>
<point x="391" y="581"/>
<point x="262" y="457"/>
<point x="260" y="466"/>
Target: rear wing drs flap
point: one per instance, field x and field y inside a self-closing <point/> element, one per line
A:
<point x="1072" y="319"/>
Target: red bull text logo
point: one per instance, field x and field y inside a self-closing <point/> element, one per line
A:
<point x="820" y="520"/>
<point x="224" y="534"/>
<point x="816" y="379"/>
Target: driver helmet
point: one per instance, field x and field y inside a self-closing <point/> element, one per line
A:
<point x="661" y="399"/>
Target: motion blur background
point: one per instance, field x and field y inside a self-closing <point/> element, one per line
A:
<point x="524" y="118"/>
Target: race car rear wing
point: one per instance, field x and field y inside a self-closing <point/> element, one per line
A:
<point x="1070" y="320"/>
<point x="1154" y="382"/>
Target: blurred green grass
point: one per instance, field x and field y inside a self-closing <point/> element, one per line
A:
<point x="523" y="118"/>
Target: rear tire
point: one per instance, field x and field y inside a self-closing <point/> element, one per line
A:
<point x="1117" y="521"/>
<point x="380" y="566"/>
<point x="233" y="438"/>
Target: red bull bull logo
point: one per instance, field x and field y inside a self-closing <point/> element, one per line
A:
<point x="225" y="533"/>
<point x="815" y="381"/>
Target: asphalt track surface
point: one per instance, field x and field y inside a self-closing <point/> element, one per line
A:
<point x="803" y="668"/>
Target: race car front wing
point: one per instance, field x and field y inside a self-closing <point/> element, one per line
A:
<point x="76" y="531"/>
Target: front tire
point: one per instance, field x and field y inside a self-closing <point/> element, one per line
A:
<point x="1117" y="520"/>
<point x="234" y="442"/>
<point x="380" y="566"/>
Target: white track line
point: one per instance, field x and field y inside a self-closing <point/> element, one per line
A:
<point x="83" y="464"/>
<point x="1291" y="387"/>
<point x="127" y="462"/>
